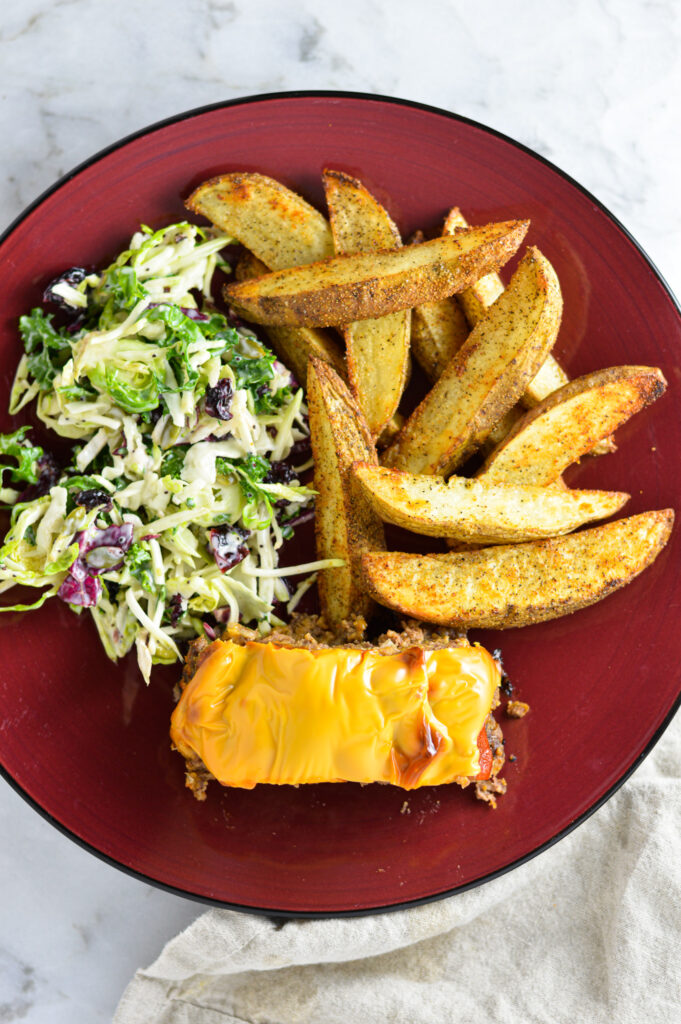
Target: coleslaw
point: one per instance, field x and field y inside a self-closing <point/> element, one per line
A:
<point x="188" y="438"/>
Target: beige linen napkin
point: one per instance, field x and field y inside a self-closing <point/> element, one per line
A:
<point x="589" y="931"/>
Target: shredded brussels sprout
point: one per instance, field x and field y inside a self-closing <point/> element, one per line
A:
<point x="180" y="491"/>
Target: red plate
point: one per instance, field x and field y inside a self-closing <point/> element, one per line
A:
<point x="87" y="744"/>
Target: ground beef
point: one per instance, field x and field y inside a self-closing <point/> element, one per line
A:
<point x="488" y="789"/>
<point x="517" y="708"/>
<point x="311" y="632"/>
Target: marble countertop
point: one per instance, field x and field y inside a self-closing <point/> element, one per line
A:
<point x="590" y="85"/>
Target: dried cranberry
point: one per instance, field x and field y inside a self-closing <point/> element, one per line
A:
<point x="94" y="498"/>
<point x="227" y="546"/>
<point x="219" y="399"/>
<point x="280" y="473"/>
<point x="177" y="605"/>
<point x="73" y="276"/>
<point x="301" y="449"/>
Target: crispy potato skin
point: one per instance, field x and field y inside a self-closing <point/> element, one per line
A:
<point x="475" y="511"/>
<point x="346" y="526"/>
<point x="377" y="350"/>
<point x="570" y="422"/>
<point x="518" y="584"/>
<point x="486" y="376"/>
<point x="294" y="345"/>
<point x="275" y="224"/>
<point x="364" y="286"/>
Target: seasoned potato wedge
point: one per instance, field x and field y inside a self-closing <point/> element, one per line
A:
<point x="518" y="584"/>
<point x="346" y="526"/>
<point x="275" y="224"/>
<point x="294" y="345"/>
<point x="569" y="423"/>
<point x="390" y="431"/>
<point x="502" y="428"/>
<point x="368" y="285"/>
<point x="477" y="299"/>
<point x="475" y="511"/>
<point x="551" y="376"/>
<point x="438" y="330"/>
<point x="479" y="296"/>
<point x="377" y="350"/>
<point x="358" y="221"/>
<point x="486" y="376"/>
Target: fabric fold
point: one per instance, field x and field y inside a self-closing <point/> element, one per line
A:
<point x="586" y="931"/>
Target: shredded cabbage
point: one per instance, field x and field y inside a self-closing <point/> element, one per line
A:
<point x="178" y="496"/>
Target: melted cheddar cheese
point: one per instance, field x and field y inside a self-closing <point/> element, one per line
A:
<point x="262" y="713"/>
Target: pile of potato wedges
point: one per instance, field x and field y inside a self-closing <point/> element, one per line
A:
<point x="496" y="393"/>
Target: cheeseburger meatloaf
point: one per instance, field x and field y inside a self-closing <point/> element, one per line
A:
<point x="415" y="645"/>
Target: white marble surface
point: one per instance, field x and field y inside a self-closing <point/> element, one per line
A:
<point x="591" y="85"/>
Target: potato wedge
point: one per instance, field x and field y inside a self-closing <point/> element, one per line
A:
<point x="377" y="350"/>
<point x="358" y="221"/>
<point x="569" y="422"/>
<point x="479" y="512"/>
<point x="486" y="376"/>
<point x="390" y="431"/>
<point x="364" y="286"/>
<point x="346" y="526"/>
<point x="477" y="299"/>
<point x="294" y="345"/>
<point x="518" y="584"/>
<point x="502" y="428"/>
<point x="438" y="330"/>
<point x="275" y="224"/>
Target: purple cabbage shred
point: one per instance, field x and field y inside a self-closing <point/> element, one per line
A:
<point x="306" y="516"/>
<point x="85" y="592"/>
<point x="227" y="545"/>
<point x="192" y="314"/>
<point x="101" y="550"/>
